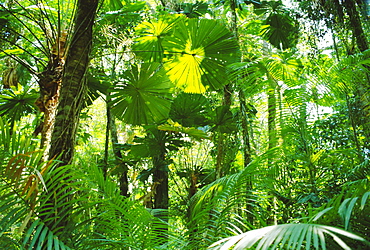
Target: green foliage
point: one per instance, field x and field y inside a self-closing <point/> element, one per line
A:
<point x="16" y="103"/>
<point x="100" y="214"/>
<point x="294" y="196"/>
<point x="195" y="52"/>
<point x="194" y="10"/>
<point x="155" y="143"/>
<point x="279" y="28"/>
<point x="144" y="96"/>
<point x="281" y="31"/>
<point x="190" y="109"/>
<point x="224" y="121"/>
<point x="220" y="209"/>
<point x="289" y="236"/>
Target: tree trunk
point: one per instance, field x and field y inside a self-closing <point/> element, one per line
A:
<point x="363" y="90"/>
<point x="123" y="177"/>
<point x="160" y="175"/>
<point x="160" y="184"/>
<point x="50" y="81"/>
<point x="71" y="98"/>
<point x="223" y="140"/>
<point x="356" y="25"/>
<point x="272" y="140"/>
<point x="272" y="135"/>
<point x="74" y="83"/>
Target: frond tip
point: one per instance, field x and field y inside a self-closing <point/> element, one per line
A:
<point x="288" y="236"/>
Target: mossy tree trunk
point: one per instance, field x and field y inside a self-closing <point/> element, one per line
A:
<point x="74" y="83"/>
<point x="72" y="94"/>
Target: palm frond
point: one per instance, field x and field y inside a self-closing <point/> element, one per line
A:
<point x="23" y="185"/>
<point x="39" y="236"/>
<point x="287" y="236"/>
<point x="221" y="208"/>
<point x="117" y="222"/>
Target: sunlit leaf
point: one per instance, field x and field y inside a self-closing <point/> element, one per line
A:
<point x="195" y="52"/>
<point x="148" y="46"/>
<point x="200" y="51"/>
<point x="177" y="128"/>
<point x="144" y="96"/>
<point x="8" y="52"/>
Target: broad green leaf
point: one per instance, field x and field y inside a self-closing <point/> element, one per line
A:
<point x="321" y="213"/>
<point x="113" y="5"/>
<point x="177" y="128"/>
<point x="189" y="109"/>
<point x="364" y="199"/>
<point x="194" y="10"/>
<point x="16" y="103"/>
<point x="200" y="51"/>
<point x="346" y="211"/>
<point x="281" y="30"/>
<point x="148" y="46"/>
<point x="123" y="16"/>
<point x="95" y="88"/>
<point x="144" y="96"/>
<point x="224" y="120"/>
<point x="284" y="67"/>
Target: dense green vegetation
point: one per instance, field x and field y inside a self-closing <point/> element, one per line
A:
<point x="184" y="124"/>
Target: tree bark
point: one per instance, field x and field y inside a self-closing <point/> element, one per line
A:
<point x="355" y="24"/>
<point x="363" y="89"/>
<point x="160" y="175"/>
<point x="160" y="184"/>
<point x="50" y="81"/>
<point x="272" y="134"/>
<point x="74" y="83"/>
<point x="223" y="140"/>
<point x="123" y="177"/>
<point x="71" y="98"/>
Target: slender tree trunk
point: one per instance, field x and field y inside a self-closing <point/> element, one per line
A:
<point x="363" y="89"/>
<point x="160" y="175"/>
<point x="272" y="139"/>
<point x="160" y="184"/>
<point x="223" y="140"/>
<point x="245" y="129"/>
<point x="123" y="178"/>
<point x="71" y="98"/>
<point x="272" y="134"/>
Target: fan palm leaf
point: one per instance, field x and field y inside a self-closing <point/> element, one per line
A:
<point x="145" y="96"/>
<point x="201" y="49"/>
<point x="15" y="103"/>
<point x="196" y="51"/>
<point x="148" y="46"/>
<point x="190" y="109"/>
